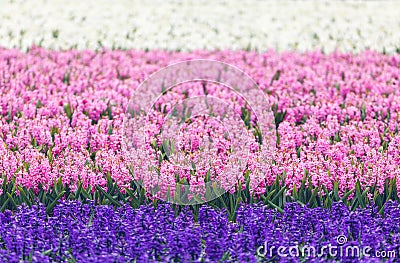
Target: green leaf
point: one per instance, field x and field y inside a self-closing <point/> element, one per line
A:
<point x="109" y="197"/>
<point x="281" y="191"/>
<point x="336" y="191"/>
<point x="275" y="77"/>
<point x="346" y="195"/>
<point x="312" y="201"/>
<point x="359" y="194"/>
<point x="12" y="201"/>
<point x="275" y="206"/>
<point x="4" y="206"/>
<point x="24" y="196"/>
<point x="78" y="191"/>
<point x="50" y="208"/>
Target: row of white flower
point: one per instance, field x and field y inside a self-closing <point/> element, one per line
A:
<point x="187" y="25"/>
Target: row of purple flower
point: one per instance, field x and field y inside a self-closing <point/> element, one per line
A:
<point x="79" y="232"/>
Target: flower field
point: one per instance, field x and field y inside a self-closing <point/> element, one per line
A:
<point x="349" y="26"/>
<point x="114" y="149"/>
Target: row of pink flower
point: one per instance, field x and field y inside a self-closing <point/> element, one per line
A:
<point x="62" y="114"/>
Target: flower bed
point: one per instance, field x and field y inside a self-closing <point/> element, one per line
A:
<point x="90" y="233"/>
<point x="336" y="117"/>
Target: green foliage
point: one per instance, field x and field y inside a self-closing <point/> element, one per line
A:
<point x="276" y="195"/>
